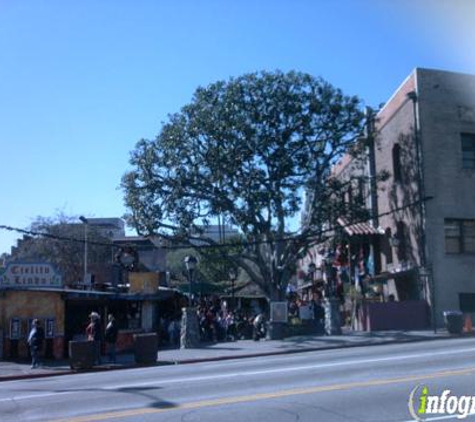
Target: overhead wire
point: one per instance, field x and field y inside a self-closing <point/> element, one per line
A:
<point x="292" y="238"/>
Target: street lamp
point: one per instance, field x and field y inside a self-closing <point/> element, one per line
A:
<point x="190" y="328"/>
<point x="327" y="270"/>
<point x="394" y="241"/>
<point x="190" y="264"/>
<point x="85" y="221"/>
<point x="233" y="274"/>
<point x="312" y="268"/>
<point x="332" y="303"/>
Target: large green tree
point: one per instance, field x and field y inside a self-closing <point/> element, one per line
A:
<point x="253" y="150"/>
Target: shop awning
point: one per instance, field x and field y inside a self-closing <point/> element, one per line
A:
<point x="358" y="229"/>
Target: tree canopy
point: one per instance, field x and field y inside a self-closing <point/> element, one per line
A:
<point x="252" y="149"/>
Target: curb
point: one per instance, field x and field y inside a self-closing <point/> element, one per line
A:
<point x="33" y="376"/>
<point x="223" y="358"/>
<point x="296" y="351"/>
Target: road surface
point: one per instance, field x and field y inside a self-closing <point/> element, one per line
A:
<point x="354" y="384"/>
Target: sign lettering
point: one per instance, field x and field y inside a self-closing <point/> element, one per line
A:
<point x="30" y="275"/>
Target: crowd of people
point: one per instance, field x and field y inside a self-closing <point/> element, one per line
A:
<point x="313" y="306"/>
<point x="216" y="321"/>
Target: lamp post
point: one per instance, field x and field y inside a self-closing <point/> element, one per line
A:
<point x="394" y="241"/>
<point x="233" y="273"/>
<point x="332" y="303"/>
<point x="190" y="264"/>
<point x="327" y="271"/>
<point x="85" y="221"/>
<point x="190" y="329"/>
<point x="312" y="268"/>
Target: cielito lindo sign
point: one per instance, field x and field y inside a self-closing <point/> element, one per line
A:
<point x="30" y="275"/>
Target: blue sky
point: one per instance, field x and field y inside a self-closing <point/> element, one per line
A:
<point x="81" y="82"/>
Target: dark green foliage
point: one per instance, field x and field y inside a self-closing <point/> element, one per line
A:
<point x="247" y="149"/>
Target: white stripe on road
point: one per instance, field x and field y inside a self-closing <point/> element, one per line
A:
<point x="291" y="369"/>
<point x="161" y="382"/>
<point x="35" y="396"/>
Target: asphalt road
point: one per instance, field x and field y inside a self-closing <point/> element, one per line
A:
<point x="354" y="384"/>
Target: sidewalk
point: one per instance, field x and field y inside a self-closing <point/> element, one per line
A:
<point x="230" y="350"/>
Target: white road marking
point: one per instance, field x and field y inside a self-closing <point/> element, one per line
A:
<point x="290" y="369"/>
<point x="34" y="396"/>
<point x="161" y="382"/>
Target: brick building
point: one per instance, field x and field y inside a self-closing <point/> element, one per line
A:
<point x="420" y="240"/>
<point x="426" y="141"/>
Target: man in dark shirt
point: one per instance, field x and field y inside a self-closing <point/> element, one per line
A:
<point x="111" y="337"/>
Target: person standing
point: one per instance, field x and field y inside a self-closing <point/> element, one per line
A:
<point x="111" y="338"/>
<point x="259" y="327"/>
<point x="35" y="341"/>
<point x="94" y="333"/>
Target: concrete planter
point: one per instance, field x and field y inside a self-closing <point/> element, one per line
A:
<point x="276" y="330"/>
<point x="83" y="354"/>
<point x="305" y="328"/>
<point x="145" y="348"/>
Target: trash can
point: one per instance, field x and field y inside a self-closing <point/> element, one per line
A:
<point x="145" y="348"/>
<point x="453" y="321"/>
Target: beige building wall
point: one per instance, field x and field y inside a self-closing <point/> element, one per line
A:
<point x="26" y="305"/>
<point x="32" y="304"/>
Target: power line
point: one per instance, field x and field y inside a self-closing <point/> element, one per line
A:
<point x="293" y="238"/>
<point x="54" y="236"/>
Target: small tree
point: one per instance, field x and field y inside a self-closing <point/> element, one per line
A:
<point x="248" y="149"/>
<point x="61" y="243"/>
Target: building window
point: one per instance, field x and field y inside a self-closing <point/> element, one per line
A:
<point x="468" y="150"/>
<point x="397" y="163"/>
<point x="459" y="236"/>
